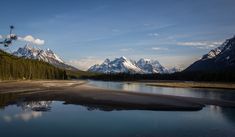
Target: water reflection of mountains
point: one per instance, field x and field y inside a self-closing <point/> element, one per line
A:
<point x="37" y="103"/>
<point x="13" y="98"/>
<point x="43" y="103"/>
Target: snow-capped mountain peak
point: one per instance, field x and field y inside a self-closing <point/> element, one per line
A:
<point x="219" y="59"/>
<point x="118" y="65"/>
<point x="151" y="66"/>
<point x="122" y="58"/>
<point x="215" y="52"/>
<point x="47" y="55"/>
<point x="106" y="61"/>
<point x="124" y="65"/>
<point x="31" y="52"/>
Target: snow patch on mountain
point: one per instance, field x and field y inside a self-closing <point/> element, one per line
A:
<point x="215" y="52"/>
<point x="221" y="58"/>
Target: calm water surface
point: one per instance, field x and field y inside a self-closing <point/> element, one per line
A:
<point x="188" y="92"/>
<point x="53" y="118"/>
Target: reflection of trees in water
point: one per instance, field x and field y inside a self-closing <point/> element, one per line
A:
<point x="15" y="98"/>
<point x="7" y="98"/>
<point x="36" y="105"/>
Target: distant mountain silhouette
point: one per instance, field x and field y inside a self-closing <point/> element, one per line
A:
<point x="221" y="58"/>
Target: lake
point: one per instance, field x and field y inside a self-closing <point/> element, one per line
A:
<point x="187" y="92"/>
<point x="53" y="118"/>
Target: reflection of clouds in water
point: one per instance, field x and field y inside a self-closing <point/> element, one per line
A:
<point x="214" y="108"/>
<point x="7" y="118"/>
<point x="28" y="115"/>
<point x="31" y="110"/>
<point x="25" y="116"/>
<point x="130" y="87"/>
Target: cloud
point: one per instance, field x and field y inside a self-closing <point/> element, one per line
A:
<point x="147" y="24"/>
<point x="201" y="45"/>
<point x="153" y="34"/>
<point x="125" y="49"/>
<point x="32" y="40"/>
<point x="158" y="48"/>
<point x="85" y="63"/>
<point x="115" y="30"/>
<point x="1" y="37"/>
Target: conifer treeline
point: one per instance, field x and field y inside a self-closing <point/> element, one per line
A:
<point x="222" y="76"/>
<point x="12" y="67"/>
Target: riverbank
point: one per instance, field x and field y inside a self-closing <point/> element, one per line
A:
<point x="189" y="84"/>
<point x="79" y="92"/>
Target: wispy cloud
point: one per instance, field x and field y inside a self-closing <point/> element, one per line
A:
<point x="85" y="63"/>
<point x="159" y="48"/>
<point x="153" y="34"/>
<point x="147" y="24"/>
<point x="32" y="40"/>
<point x="201" y="45"/>
<point x="125" y="49"/>
<point x="115" y="30"/>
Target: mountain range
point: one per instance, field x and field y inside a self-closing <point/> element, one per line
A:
<point x="30" y="52"/>
<point x="124" y="65"/>
<point x="221" y="58"/>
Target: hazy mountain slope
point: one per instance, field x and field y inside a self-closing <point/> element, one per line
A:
<point x="218" y="59"/>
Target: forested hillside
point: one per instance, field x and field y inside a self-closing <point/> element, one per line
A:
<point x="12" y="67"/>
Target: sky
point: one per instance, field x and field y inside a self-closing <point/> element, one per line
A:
<point x="85" y="32"/>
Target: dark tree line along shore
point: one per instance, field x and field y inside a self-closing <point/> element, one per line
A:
<point x="221" y="76"/>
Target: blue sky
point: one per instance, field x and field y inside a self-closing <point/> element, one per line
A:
<point x="84" y="32"/>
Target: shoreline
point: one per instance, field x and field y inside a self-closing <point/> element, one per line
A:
<point x="189" y="84"/>
<point x="81" y="93"/>
<point x="158" y="83"/>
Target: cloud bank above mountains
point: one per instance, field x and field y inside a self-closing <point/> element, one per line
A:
<point x="32" y="40"/>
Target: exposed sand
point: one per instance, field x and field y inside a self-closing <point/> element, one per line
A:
<point x="190" y="84"/>
<point x="79" y="92"/>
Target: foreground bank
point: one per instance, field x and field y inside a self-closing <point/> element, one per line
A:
<point x="79" y="92"/>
